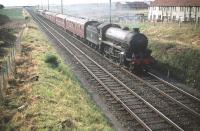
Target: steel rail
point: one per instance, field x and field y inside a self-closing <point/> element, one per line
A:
<point x="174" y="87"/>
<point x="159" y="113"/>
<point x="166" y="95"/>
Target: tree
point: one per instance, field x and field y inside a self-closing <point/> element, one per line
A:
<point x="1" y="6"/>
<point x="7" y="36"/>
<point x="4" y="19"/>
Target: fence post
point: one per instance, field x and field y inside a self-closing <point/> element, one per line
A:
<point x="8" y="67"/>
<point x="1" y="89"/>
<point x="5" y="73"/>
<point x="4" y="81"/>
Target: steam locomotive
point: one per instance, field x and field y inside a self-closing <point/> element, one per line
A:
<point x="126" y="47"/>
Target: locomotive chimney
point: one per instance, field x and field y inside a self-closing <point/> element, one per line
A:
<point x="136" y="30"/>
<point x="125" y="28"/>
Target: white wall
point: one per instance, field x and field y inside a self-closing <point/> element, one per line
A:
<point x="181" y="13"/>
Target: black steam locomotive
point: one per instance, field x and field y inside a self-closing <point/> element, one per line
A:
<point x="127" y="47"/>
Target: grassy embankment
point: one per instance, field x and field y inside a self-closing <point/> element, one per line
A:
<point x="45" y="95"/>
<point x="176" y="49"/>
<point x="13" y="13"/>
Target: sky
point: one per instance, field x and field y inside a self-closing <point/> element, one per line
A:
<point x="53" y="2"/>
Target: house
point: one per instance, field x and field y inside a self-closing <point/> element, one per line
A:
<point x="174" y="10"/>
<point x="131" y="5"/>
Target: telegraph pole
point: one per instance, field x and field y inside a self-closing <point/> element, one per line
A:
<point x="41" y="4"/>
<point x="61" y="6"/>
<point x="110" y="11"/>
<point x="48" y="5"/>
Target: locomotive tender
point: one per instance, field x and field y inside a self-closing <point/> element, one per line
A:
<point x="129" y="48"/>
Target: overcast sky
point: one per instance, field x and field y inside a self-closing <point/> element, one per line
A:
<point x="36" y="2"/>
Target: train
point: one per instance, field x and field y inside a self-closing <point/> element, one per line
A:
<point x="122" y="45"/>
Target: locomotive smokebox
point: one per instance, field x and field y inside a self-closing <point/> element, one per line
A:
<point x="136" y="30"/>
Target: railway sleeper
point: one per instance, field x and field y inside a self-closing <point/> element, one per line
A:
<point x="121" y="95"/>
<point x="146" y="117"/>
<point x="129" y="97"/>
<point x="97" y="72"/>
<point x="108" y="81"/>
<point x="121" y="90"/>
<point x="156" y="122"/>
<point x="104" y="78"/>
<point x="101" y="88"/>
<point x="108" y="95"/>
<point x="139" y="104"/>
<point x="169" y="90"/>
<point x="114" y="102"/>
<point x="103" y="92"/>
<point x="114" y="86"/>
<point x="130" y="101"/>
<point x="143" y="112"/>
<point x="160" y="126"/>
<point x="110" y="99"/>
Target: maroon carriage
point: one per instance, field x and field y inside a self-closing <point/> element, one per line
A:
<point x="47" y="15"/>
<point x="76" y="25"/>
<point x="60" y="20"/>
<point x="52" y="17"/>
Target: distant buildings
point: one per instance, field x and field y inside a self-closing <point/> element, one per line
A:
<point x="131" y="5"/>
<point x="174" y="10"/>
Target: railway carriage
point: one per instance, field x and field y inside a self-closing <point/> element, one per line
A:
<point x="52" y="17"/>
<point x="40" y="12"/>
<point x="47" y="14"/>
<point x="60" y="20"/>
<point x="76" y="25"/>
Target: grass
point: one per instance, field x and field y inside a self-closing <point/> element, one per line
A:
<point x="177" y="50"/>
<point x="186" y="35"/>
<point x="183" y="63"/>
<point x="56" y="101"/>
<point x="13" y="13"/>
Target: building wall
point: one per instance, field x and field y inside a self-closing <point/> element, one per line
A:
<point x="174" y="13"/>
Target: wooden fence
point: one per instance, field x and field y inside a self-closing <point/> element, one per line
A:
<point x="7" y="69"/>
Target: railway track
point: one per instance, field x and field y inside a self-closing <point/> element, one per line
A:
<point x="138" y="83"/>
<point x="176" y="93"/>
<point x="136" y="106"/>
<point x="184" y="116"/>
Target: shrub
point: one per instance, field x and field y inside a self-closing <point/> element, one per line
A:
<point x="4" y="19"/>
<point x="7" y="36"/>
<point x="183" y="63"/>
<point x="52" y="59"/>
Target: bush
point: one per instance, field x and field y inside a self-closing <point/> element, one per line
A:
<point x="4" y="19"/>
<point x="183" y="63"/>
<point x="7" y="36"/>
<point x="52" y="59"/>
<point x="1" y="6"/>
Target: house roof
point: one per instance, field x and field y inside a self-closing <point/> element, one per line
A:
<point x="175" y="3"/>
